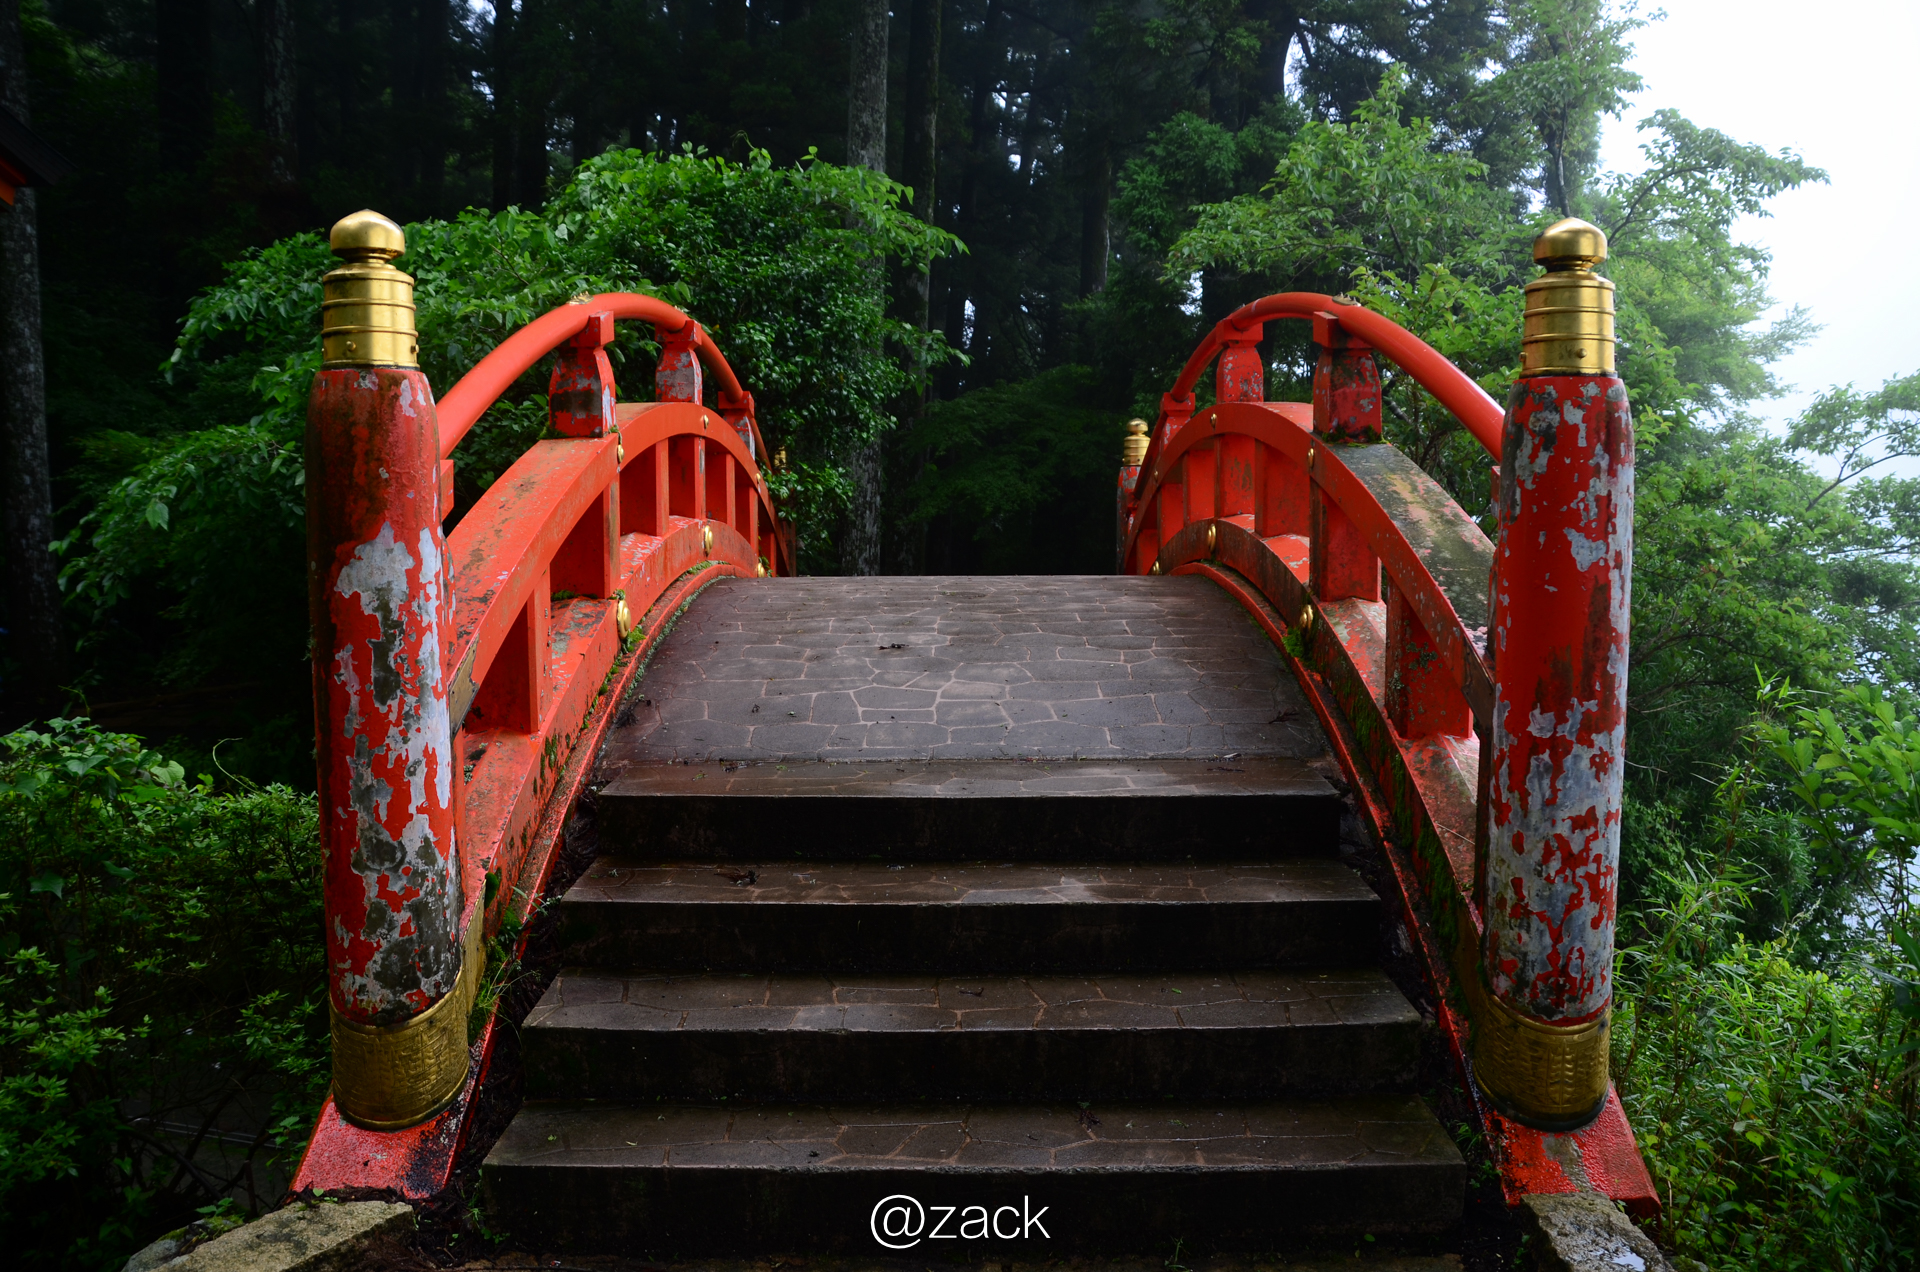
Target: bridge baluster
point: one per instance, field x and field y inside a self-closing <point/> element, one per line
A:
<point x="1562" y="572"/>
<point x="401" y="921"/>
<point x="717" y="470"/>
<point x="1344" y="410"/>
<point x="580" y="393"/>
<point x="738" y="411"/>
<point x="677" y="377"/>
<point x="1199" y="483"/>
<point x="1241" y="374"/>
<point x="686" y="484"/>
<point x="1423" y="697"/>
<point x="644" y="498"/>
<point x="1234" y="475"/>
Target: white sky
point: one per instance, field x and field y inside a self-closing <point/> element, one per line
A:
<point x="1842" y="88"/>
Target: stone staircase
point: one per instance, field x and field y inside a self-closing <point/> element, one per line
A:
<point x="964" y="916"/>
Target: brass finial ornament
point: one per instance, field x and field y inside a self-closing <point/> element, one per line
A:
<point x="1569" y="317"/>
<point x="366" y="315"/>
<point x="1134" y="450"/>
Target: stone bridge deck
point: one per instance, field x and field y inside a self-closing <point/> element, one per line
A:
<point x="1048" y="667"/>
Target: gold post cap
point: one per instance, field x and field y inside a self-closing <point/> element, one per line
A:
<point x="366" y="318"/>
<point x="1569" y="309"/>
<point x="1570" y="244"/>
<point x="1134" y="448"/>
<point x="367" y="236"/>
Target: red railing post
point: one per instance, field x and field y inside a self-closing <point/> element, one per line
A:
<point x="1241" y="375"/>
<point x="580" y="393"/>
<point x="401" y="954"/>
<point x="738" y="411"/>
<point x="677" y="376"/>
<point x="1561" y="579"/>
<point x="1423" y="697"/>
<point x="1341" y="565"/>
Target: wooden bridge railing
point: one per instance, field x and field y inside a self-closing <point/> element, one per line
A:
<point x="456" y="677"/>
<point x="1475" y="690"/>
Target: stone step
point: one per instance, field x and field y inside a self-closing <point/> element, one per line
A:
<point x="968" y="917"/>
<point x="1223" y="809"/>
<point x="605" y="1035"/>
<point x="674" y="1179"/>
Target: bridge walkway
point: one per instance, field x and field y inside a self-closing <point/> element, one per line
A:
<point x="986" y="892"/>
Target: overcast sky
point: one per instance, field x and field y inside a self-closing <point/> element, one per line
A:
<point x="1841" y="87"/>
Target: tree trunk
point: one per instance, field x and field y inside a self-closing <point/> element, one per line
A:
<point x="501" y="80"/>
<point x="922" y="149"/>
<point x="279" y="92"/>
<point x="183" y="49"/>
<point x="906" y="540"/>
<point x="1096" y="245"/>
<point x="867" y="88"/>
<point x="531" y="95"/>
<point x="33" y="588"/>
<point x="866" y="148"/>
<point x="430" y="68"/>
<point x="346" y="76"/>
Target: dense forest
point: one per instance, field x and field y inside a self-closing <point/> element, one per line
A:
<point x="951" y="247"/>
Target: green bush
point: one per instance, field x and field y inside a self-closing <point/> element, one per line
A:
<point x="1775" y="1104"/>
<point x="161" y="989"/>
<point x="1775" y="1085"/>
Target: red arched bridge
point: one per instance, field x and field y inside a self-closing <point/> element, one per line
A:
<point x="1083" y="911"/>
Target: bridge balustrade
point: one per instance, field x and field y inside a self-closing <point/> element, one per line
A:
<point x="460" y="679"/>
<point x="1475" y="690"/>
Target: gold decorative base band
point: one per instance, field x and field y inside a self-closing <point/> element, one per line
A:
<point x="389" y="1077"/>
<point x="1550" y="1077"/>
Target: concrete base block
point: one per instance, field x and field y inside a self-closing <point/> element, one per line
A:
<point x="304" y="1237"/>
<point x="1585" y="1232"/>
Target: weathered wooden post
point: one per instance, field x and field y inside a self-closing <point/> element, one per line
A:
<point x="402" y="953"/>
<point x="1561" y="577"/>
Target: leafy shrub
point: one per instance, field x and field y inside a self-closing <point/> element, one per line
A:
<point x="1775" y="1104"/>
<point x="161" y="991"/>
<point x="1775" y="1084"/>
<point x="781" y="265"/>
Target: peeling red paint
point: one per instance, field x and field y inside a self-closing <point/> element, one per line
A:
<point x="381" y="607"/>
<point x="1242" y="373"/>
<point x="451" y="688"/>
<point x="580" y="393"/>
<point x="1346" y="384"/>
<point x="1562" y="574"/>
<point x="1419" y="749"/>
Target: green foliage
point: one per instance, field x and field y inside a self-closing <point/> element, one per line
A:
<point x="774" y="262"/>
<point x="161" y="979"/>
<point x="995" y="465"/>
<point x="1775" y="1105"/>
<point x="1853" y="766"/>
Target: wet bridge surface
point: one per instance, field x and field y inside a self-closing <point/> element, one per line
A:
<point x="1093" y="668"/>
<point x="991" y="886"/>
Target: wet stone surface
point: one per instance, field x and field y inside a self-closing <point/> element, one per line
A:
<point x="1113" y="1036"/>
<point x="582" y="999"/>
<point x="1352" y="1129"/>
<point x="615" y="879"/>
<point x="974" y="917"/>
<point x="964" y="668"/>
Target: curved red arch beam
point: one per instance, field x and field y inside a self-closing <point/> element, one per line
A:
<point x="1451" y="386"/>
<point x="481" y="387"/>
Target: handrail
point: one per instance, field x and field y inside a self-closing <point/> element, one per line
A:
<point x="481" y="387"/>
<point x="1469" y="403"/>
<point x="1491" y="784"/>
<point x="462" y="680"/>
